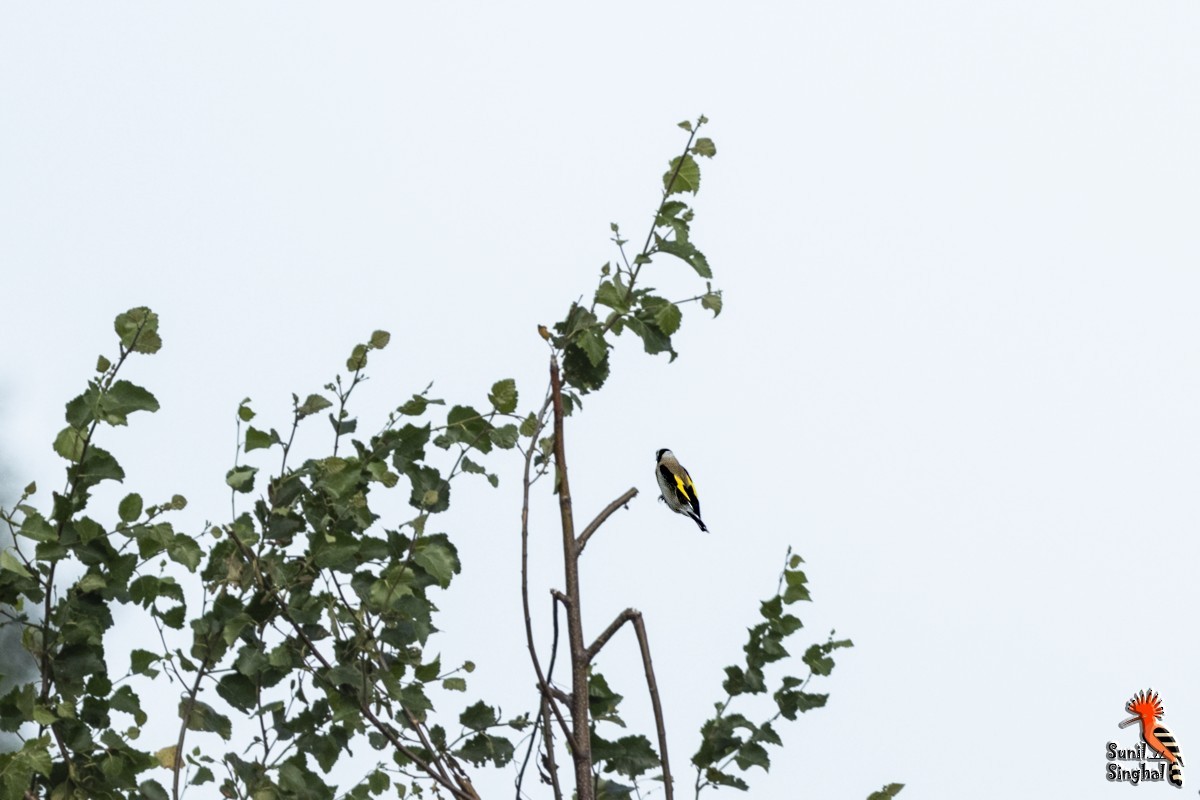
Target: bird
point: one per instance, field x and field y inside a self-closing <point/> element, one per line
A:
<point x="678" y="491"/>
<point x="1148" y="709"/>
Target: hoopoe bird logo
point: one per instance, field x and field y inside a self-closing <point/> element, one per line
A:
<point x="1148" y="710"/>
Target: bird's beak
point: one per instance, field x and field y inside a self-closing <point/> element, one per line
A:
<point x="1129" y="722"/>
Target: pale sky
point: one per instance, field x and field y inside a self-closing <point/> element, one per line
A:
<point x="958" y="367"/>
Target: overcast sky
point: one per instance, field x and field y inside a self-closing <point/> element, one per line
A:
<point x="958" y="369"/>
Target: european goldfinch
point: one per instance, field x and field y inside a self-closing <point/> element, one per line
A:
<point x="678" y="491"/>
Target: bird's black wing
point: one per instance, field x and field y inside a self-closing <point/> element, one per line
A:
<point x="676" y="485"/>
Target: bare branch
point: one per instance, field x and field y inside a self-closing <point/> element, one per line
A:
<point x="608" y="511"/>
<point x="639" y="628"/>
<point x="177" y="766"/>
<point x="551" y="766"/>
<point x="416" y="726"/>
<point x="602" y="639"/>
<point x="543" y="683"/>
<point x="581" y="753"/>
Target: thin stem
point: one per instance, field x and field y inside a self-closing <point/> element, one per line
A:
<point x="342" y="398"/>
<point x="543" y="683"/>
<point x="639" y="262"/>
<point x="551" y="766"/>
<point x="608" y="511"/>
<point x="639" y="628"/>
<point x="190" y="706"/>
<point x="580" y="716"/>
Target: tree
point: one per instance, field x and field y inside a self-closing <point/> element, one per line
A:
<point x="307" y="617"/>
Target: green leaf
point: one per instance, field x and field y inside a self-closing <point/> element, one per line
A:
<point x="184" y="550"/>
<point x="796" y="586"/>
<point x="257" y="440"/>
<point x="122" y="399"/>
<point x="379" y="471"/>
<point x="887" y="792"/>
<point x="467" y="426"/>
<point x="341" y="427"/>
<point x="752" y="754"/>
<point x="438" y="557"/>
<point x="238" y="690"/>
<point x="630" y="756"/>
<point x="35" y="527"/>
<point x="614" y="295"/>
<point x="704" y="147"/>
<point x="311" y="405"/>
<point x="99" y="465"/>
<point x="479" y="717"/>
<point x="591" y="342"/>
<point x="682" y="176"/>
<point x="90" y="582"/>
<point x="712" y="302"/>
<point x="580" y="372"/>
<point x="505" y="437"/>
<point x="203" y="717"/>
<point x="70" y="443"/>
<point x="529" y="425"/>
<point x="504" y="396"/>
<point x="430" y="671"/>
<point x="415" y="407"/>
<point x="138" y="330"/>
<point x="482" y="748"/>
<point x="791" y="701"/>
<point x="430" y="491"/>
<point x="687" y="252"/>
<point x="241" y="479"/>
<point x="603" y="701"/>
<point x="611" y="790"/>
<point x="668" y="318"/>
<point x="686" y="125"/>
<point x="718" y="778"/>
<point x="102" y="364"/>
<point x="153" y="790"/>
<point x="140" y="662"/>
<point x="653" y="339"/>
<point x="124" y="699"/>
<point x="17" y="769"/>
<point x="471" y="467"/>
<point x="380" y="339"/>
<point x="130" y="508"/>
<point x="358" y="358"/>
<point x="454" y="684"/>
<point x="10" y="563"/>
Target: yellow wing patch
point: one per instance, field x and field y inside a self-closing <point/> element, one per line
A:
<point x="687" y="489"/>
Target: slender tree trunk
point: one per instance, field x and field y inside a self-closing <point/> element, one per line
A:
<point x="584" y="788"/>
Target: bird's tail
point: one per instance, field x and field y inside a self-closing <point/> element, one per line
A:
<point x="1170" y="751"/>
<point x="699" y="522"/>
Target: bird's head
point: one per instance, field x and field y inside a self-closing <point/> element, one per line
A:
<point x="659" y="456"/>
<point x="1145" y="705"/>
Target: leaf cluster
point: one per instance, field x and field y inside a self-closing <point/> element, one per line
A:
<point x="315" y="620"/>
<point x="733" y="743"/>
<point x="621" y="302"/>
